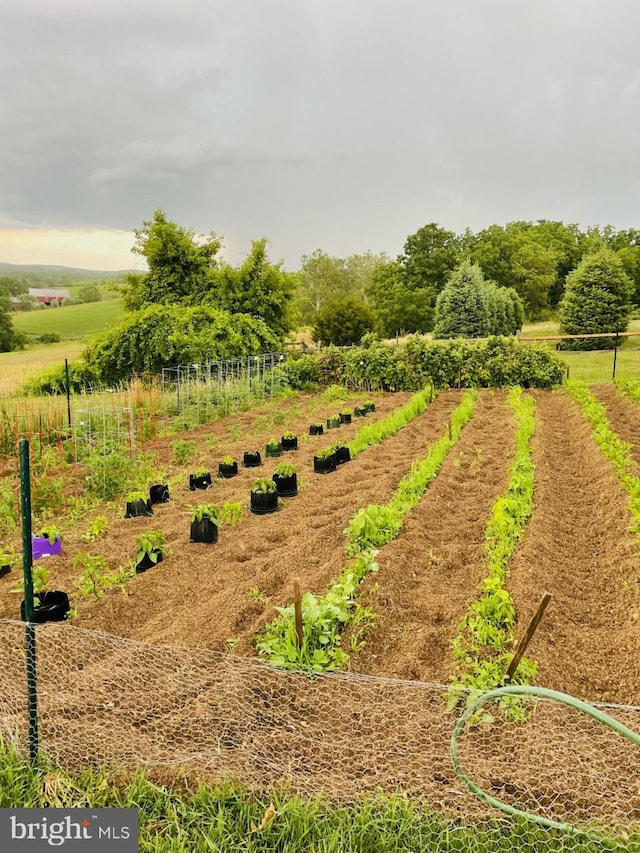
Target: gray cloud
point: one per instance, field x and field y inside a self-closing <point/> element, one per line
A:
<point x="344" y="125"/>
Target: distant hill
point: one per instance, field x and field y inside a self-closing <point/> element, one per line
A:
<point x="52" y="273"/>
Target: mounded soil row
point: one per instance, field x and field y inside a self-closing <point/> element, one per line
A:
<point x="579" y="548"/>
<point x="431" y="572"/>
<point x="623" y="414"/>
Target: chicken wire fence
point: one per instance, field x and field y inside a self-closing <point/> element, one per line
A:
<point x="107" y="701"/>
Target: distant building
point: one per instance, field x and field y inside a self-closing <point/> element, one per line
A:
<point x="48" y="295"/>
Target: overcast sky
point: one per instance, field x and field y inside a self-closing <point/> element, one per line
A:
<point x="339" y="124"/>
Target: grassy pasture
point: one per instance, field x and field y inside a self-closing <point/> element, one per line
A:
<point x="17" y="367"/>
<point x="71" y="322"/>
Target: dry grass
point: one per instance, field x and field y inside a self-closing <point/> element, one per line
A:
<point x="17" y="367"/>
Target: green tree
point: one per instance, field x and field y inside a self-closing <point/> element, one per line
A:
<point x="10" y="339"/>
<point x="430" y="256"/>
<point x="321" y="277"/>
<point x="462" y="308"/>
<point x="597" y="299"/>
<point x="343" y="321"/>
<point x="397" y="308"/>
<point x="180" y="265"/>
<point x="88" y="293"/>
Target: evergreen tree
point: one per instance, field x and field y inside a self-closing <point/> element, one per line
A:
<point x="462" y="308"/>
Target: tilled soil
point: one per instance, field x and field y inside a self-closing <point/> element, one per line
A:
<point x="579" y="548"/>
<point x="207" y="595"/>
<point x="623" y="414"/>
<point x="430" y="573"/>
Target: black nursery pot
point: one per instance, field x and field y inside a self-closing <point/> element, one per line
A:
<point x="159" y="494"/>
<point x="50" y="606"/>
<point x="316" y="429"/>
<point x="370" y="407"/>
<point x="333" y="423"/>
<point x="289" y="443"/>
<point x="204" y="531"/>
<point x="263" y="502"/>
<point x="227" y="471"/>
<point x="345" y="419"/>
<point x="286" y="487"/>
<point x="343" y="454"/>
<point x="136" y="509"/>
<point x="147" y="563"/>
<point x="4" y="570"/>
<point x="202" y="482"/>
<point x="324" y="465"/>
<point x="273" y="449"/>
<point x="252" y="459"/>
<point x="360" y="411"/>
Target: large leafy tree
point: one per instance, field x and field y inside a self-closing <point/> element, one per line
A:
<point x="10" y="339"/>
<point x="396" y="307"/>
<point x="342" y="321"/>
<point x="462" y="309"/>
<point x="597" y="299"/>
<point x="321" y="277"/>
<point x="430" y="256"/>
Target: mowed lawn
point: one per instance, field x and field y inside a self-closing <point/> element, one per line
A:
<point x="17" y="367"/>
<point x="71" y="322"/>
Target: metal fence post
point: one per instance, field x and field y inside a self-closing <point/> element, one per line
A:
<point x="30" y="631"/>
<point x="66" y="371"/>
<point x="615" y="355"/>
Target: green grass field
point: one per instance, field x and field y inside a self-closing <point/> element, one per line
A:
<point x="72" y="322"/>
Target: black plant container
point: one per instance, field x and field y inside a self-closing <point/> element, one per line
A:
<point x="159" y="494"/>
<point x="204" y="531"/>
<point x="4" y="570"/>
<point x="324" y="465"/>
<point x="360" y="411"/>
<point x="345" y="419"/>
<point x="286" y="487"/>
<point x="227" y="471"/>
<point x="333" y="423"/>
<point x="50" y="606"/>
<point x="263" y="502"/>
<point x="343" y="454"/>
<point x="289" y="443"/>
<point x="202" y="482"/>
<point x="316" y="429"/>
<point x="370" y="407"/>
<point x="273" y="449"/>
<point x="147" y="563"/>
<point x="252" y="459"/>
<point x="136" y="509"/>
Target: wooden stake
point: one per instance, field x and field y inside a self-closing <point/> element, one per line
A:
<point x="450" y="430"/>
<point x="431" y="392"/>
<point x="528" y="635"/>
<point x="297" y="603"/>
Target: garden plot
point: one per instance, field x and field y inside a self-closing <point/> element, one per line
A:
<point x="579" y="548"/>
<point x="233" y="586"/>
<point x="623" y="414"/>
<point x="430" y="573"/>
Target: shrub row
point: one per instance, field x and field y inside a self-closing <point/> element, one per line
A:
<point x="486" y="630"/>
<point x="417" y="362"/>
<point x="324" y="620"/>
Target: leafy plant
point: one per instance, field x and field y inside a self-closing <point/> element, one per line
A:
<point x="184" y="450"/>
<point x="201" y="472"/>
<point x="40" y="577"/>
<point x="263" y="485"/>
<point x="230" y="513"/>
<point x="273" y="442"/>
<point x="318" y="424"/>
<point x="50" y="532"/>
<point x="326" y="453"/>
<point x="347" y="412"/>
<point x="97" y="528"/>
<point x="228" y="460"/>
<point x="256" y="594"/>
<point x="205" y="511"/>
<point x="372" y="527"/>
<point x="289" y="435"/>
<point x="151" y="544"/>
<point x="134" y="497"/>
<point x="212" y="441"/>
<point x="285" y="469"/>
<point x="96" y="575"/>
<point x="234" y="433"/>
<point x="7" y="558"/>
<point x="8" y="510"/>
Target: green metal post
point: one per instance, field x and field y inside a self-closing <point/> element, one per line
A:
<point x="66" y="370"/>
<point x="615" y="355"/>
<point x="30" y="631"/>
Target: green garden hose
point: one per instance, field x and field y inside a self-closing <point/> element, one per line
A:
<point x="539" y="693"/>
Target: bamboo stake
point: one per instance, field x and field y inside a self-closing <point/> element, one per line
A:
<point x="297" y="604"/>
<point x="528" y="636"/>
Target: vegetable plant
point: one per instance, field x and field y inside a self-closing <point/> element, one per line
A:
<point x="205" y="511"/>
<point x="151" y="544"/>
<point x="273" y="442"/>
<point x="263" y="486"/>
<point x="50" y="532"/>
<point x="285" y="469"/>
<point x="289" y="435"/>
<point x="184" y="450"/>
<point x="96" y="575"/>
<point x="372" y="526"/>
<point x="228" y="460"/>
<point x="97" y="528"/>
<point x="201" y="472"/>
<point x="230" y="513"/>
<point x="325" y="454"/>
<point x="134" y="497"/>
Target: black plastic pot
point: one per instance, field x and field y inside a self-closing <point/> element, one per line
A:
<point x="273" y="449"/>
<point x="316" y="429"/>
<point x="252" y="459"/>
<point x="147" y="563"/>
<point x="4" y="570"/>
<point x="286" y="487"/>
<point x="201" y="482"/>
<point x="360" y="411"/>
<point x="50" y="606"/>
<point x="342" y="454"/>
<point x="345" y="419"/>
<point x="204" y="531"/>
<point x="136" y="509"/>
<point x="333" y="423"/>
<point x="324" y="465"/>
<point x="289" y="443"/>
<point x="263" y="502"/>
<point x="227" y="471"/>
<point x="159" y="494"/>
<point x="370" y="407"/>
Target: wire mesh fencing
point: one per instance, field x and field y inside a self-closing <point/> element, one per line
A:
<point x="107" y="701"/>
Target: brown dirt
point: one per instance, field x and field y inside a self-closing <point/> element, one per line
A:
<point x="579" y="548"/>
<point x="429" y="574"/>
<point x="623" y="414"/>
